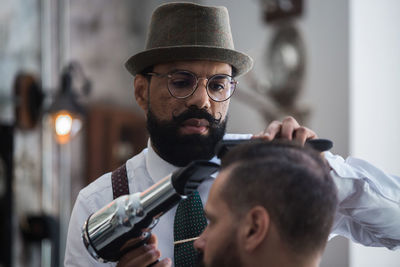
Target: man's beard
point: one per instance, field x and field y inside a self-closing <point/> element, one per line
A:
<point x="179" y="149"/>
<point x="227" y="256"/>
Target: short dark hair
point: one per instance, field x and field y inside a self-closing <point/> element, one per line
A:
<point x="145" y="72"/>
<point x="292" y="183"/>
<point x="234" y="72"/>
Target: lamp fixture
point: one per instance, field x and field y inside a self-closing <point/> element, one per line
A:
<point x="66" y="112"/>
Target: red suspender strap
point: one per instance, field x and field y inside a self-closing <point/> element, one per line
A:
<point x="119" y="181"/>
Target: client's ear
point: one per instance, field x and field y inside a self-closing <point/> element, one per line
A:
<point x="255" y="228"/>
<point x="141" y="85"/>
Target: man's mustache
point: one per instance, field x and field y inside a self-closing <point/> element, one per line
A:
<point x="198" y="114"/>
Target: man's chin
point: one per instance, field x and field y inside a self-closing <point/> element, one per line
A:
<point x="185" y="140"/>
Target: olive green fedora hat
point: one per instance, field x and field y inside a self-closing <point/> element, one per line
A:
<point x="187" y="31"/>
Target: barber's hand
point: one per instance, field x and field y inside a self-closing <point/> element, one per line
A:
<point x="288" y="129"/>
<point x="144" y="256"/>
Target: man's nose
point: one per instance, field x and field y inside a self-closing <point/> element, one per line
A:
<point x="200" y="98"/>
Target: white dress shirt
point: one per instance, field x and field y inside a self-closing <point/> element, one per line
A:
<point x="368" y="212"/>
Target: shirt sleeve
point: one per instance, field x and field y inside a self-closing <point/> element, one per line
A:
<point x="76" y="253"/>
<point x="369" y="203"/>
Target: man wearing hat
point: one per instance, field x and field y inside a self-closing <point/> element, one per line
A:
<point x="183" y="81"/>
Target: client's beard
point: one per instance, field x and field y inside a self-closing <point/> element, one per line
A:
<point x="179" y="149"/>
<point x="226" y="256"/>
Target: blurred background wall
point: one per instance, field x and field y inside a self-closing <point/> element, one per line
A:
<point x="348" y="93"/>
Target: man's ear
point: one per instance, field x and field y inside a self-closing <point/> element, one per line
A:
<point x="141" y="85"/>
<point x="255" y="228"/>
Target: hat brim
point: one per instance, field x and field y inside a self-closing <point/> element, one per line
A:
<point x="240" y="61"/>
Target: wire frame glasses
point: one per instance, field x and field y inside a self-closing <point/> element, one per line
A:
<point x="182" y="84"/>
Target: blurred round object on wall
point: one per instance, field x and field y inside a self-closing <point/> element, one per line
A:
<point x="286" y="63"/>
<point x="278" y="10"/>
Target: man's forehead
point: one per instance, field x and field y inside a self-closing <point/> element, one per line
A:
<point x="193" y="65"/>
<point x="216" y="188"/>
<point x="216" y="203"/>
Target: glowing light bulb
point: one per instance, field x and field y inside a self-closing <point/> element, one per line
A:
<point x="63" y="124"/>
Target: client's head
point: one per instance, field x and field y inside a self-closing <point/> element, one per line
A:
<point x="272" y="204"/>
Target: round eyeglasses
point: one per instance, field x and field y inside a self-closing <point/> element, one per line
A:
<point x="182" y="84"/>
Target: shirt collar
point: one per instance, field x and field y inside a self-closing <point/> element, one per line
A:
<point x="156" y="166"/>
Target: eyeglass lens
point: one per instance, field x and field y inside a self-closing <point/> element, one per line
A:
<point x="182" y="84"/>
